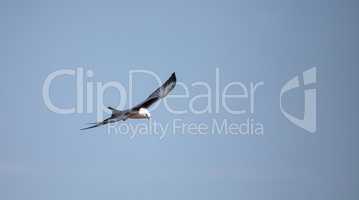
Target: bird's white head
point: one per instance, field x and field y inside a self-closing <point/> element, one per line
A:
<point x="145" y="113"/>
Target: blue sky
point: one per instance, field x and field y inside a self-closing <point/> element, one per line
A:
<point x="43" y="155"/>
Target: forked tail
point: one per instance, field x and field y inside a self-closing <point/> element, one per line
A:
<point x="115" y="112"/>
<point x="95" y="124"/>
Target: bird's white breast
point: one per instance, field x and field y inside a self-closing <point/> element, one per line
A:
<point x="142" y="113"/>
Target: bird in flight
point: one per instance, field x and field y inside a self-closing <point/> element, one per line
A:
<point x="139" y="111"/>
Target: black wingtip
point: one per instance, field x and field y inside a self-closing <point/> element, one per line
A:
<point x="173" y="76"/>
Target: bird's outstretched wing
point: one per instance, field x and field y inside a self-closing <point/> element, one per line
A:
<point x="159" y="93"/>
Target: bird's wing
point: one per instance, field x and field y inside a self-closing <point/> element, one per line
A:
<point x="159" y="93"/>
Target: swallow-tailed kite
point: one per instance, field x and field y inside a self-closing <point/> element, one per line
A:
<point x="139" y="111"/>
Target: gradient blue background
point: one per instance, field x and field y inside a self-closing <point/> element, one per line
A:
<point x="43" y="155"/>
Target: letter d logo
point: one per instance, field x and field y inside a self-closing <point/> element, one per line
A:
<point x="309" y="122"/>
